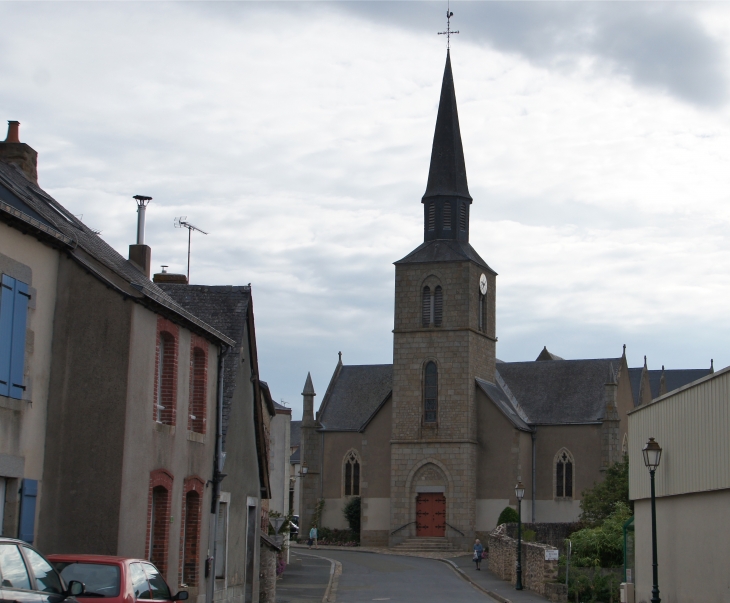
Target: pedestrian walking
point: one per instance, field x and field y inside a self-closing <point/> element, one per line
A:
<point x="478" y="552"/>
<point x="313" y="537"/>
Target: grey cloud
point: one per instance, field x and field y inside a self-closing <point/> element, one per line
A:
<point x="657" y="45"/>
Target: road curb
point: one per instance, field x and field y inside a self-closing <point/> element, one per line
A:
<point x="466" y="577"/>
<point x="330" y="593"/>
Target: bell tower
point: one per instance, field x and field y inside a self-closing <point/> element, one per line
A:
<point x="443" y="338"/>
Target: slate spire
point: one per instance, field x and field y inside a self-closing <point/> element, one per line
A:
<point x="447" y="174"/>
<point x="446" y="200"/>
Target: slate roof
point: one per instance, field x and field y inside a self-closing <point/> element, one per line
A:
<point x="635" y="381"/>
<point x="354" y="395"/>
<point x="27" y="206"/>
<point x="444" y="250"/>
<point x="503" y="402"/>
<point x="295" y="439"/>
<point x="226" y="308"/>
<point x="674" y="379"/>
<point x="447" y="172"/>
<point x="559" y="392"/>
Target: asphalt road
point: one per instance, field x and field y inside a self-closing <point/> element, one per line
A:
<point x="372" y="577"/>
<point x="305" y="579"/>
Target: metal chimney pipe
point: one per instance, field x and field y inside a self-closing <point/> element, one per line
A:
<point x="142" y="202"/>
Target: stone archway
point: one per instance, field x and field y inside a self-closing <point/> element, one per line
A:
<point x="428" y="487"/>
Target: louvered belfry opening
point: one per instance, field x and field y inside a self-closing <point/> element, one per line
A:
<point x="447" y="215"/>
<point x="426" y="307"/>
<point x="431" y="386"/>
<point x="462" y="216"/>
<point x="432" y="305"/>
<point x="431" y="217"/>
<point x="438" y="306"/>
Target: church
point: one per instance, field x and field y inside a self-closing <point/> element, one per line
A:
<point x="435" y="443"/>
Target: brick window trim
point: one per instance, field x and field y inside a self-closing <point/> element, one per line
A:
<point x="173" y="332"/>
<point x="195" y="484"/>
<point x="159" y="478"/>
<point x="198" y="390"/>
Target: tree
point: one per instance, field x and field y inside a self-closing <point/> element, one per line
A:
<point x="602" y="546"/>
<point x="599" y="502"/>
<point x="352" y="515"/>
<point x="508" y="515"/>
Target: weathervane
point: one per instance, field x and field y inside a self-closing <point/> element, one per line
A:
<point x="448" y="31"/>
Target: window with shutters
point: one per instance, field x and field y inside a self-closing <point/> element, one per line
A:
<point x="430" y="393"/>
<point x="431" y="217"/>
<point x="438" y="306"/>
<point x="426" y="307"/>
<point x="447" y="215"/>
<point x="564" y="472"/>
<point x="165" y="397"/>
<point x="198" y="385"/>
<point x="462" y="216"/>
<point x="351" y="468"/>
<point x="14" y="298"/>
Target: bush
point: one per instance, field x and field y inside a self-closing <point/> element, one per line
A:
<point x="508" y="515"/>
<point x="602" y="546"/>
<point x="592" y="588"/>
<point x="598" y="503"/>
<point x="352" y="514"/>
<point x="338" y="537"/>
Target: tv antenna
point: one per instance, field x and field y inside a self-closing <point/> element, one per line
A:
<point x="182" y="222"/>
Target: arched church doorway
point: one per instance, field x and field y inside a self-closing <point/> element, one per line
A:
<point x="430" y="514"/>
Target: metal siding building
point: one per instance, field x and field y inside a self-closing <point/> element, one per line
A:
<point x="692" y="425"/>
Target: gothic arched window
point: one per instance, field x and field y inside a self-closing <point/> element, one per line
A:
<point x="352" y="474"/>
<point x="430" y="393"/>
<point x="438" y="306"/>
<point x="564" y="472"/>
<point x="432" y="306"/>
<point x="625" y="445"/>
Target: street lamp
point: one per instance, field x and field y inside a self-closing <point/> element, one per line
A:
<point x="652" y="455"/>
<point x="520" y="493"/>
<point x="304" y="469"/>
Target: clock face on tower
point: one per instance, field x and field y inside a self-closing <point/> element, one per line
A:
<point x="483" y="284"/>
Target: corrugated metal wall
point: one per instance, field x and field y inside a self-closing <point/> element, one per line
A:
<point x="693" y="428"/>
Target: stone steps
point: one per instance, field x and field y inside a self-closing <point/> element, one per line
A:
<point x="429" y="545"/>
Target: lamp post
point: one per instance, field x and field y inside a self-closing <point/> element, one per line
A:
<point x="520" y="492"/>
<point x="652" y="454"/>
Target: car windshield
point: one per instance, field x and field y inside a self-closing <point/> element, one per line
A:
<point x="100" y="580"/>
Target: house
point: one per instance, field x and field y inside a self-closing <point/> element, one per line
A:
<point x="295" y="435"/>
<point x="691" y="424"/>
<point x="279" y="459"/>
<point x="111" y="423"/>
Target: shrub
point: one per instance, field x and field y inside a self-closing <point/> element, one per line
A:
<point x="598" y="502"/>
<point x="352" y="514"/>
<point x="508" y="515"/>
<point x="338" y="537"/>
<point x="602" y="546"/>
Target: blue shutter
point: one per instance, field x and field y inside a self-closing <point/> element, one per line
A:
<point x="28" y="494"/>
<point x="17" y="352"/>
<point x="7" y="293"/>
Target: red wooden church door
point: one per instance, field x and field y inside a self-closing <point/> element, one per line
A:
<point x="431" y="514"/>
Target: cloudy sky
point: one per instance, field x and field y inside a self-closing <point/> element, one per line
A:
<point x="597" y="137"/>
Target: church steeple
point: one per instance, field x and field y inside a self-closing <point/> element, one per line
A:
<point x="446" y="200"/>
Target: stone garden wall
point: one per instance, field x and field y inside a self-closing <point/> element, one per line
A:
<point x="538" y="575"/>
<point x="548" y="533"/>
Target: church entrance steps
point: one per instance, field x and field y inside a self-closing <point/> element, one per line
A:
<point x="432" y="544"/>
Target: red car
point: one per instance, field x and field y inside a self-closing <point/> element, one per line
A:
<point x="118" y="579"/>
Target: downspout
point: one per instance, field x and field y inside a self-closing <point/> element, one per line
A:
<point x="218" y="475"/>
<point x="321" y="469"/>
<point x="534" y="472"/>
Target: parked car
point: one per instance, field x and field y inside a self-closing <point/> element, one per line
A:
<point x="115" y="579"/>
<point x="294" y="527"/>
<point x="26" y="576"/>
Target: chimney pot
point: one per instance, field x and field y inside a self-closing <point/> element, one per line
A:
<point x="13" y="131"/>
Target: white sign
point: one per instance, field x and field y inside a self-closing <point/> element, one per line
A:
<point x="551" y="554"/>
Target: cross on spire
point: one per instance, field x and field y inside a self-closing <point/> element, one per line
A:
<point x="448" y="31"/>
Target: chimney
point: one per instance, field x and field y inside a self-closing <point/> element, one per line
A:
<point x="141" y="254"/>
<point x="169" y="277"/>
<point x="17" y="153"/>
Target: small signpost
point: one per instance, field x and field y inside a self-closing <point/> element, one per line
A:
<point x="551" y="554"/>
<point x="276" y="523"/>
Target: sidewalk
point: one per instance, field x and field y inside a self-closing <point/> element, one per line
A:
<point x="305" y="579"/>
<point x="384" y="551"/>
<point x="497" y="588"/>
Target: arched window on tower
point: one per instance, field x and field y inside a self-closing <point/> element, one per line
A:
<point x="438" y="306"/>
<point x="564" y="471"/>
<point x="625" y="445"/>
<point x="352" y="474"/>
<point x="426" y="307"/>
<point x="430" y="393"/>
